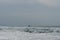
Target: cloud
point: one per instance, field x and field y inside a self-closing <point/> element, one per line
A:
<point x="16" y="1"/>
<point x="50" y="3"/>
<point x="20" y="12"/>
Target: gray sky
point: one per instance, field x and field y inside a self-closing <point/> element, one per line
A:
<point x="33" y="12"/>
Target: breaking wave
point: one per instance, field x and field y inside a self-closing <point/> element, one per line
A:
<point x="29" y="33"/>
<point x="33" y="29"/>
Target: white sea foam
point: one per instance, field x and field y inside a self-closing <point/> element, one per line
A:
<point x="18" y="33"/>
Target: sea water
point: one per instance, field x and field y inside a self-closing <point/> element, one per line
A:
<point x="29" y="33"/>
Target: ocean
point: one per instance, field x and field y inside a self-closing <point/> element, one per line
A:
<point x="29" y="33"/>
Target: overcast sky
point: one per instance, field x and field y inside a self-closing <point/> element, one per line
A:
<point x="33" y="12"/>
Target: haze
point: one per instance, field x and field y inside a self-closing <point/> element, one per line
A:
<point x="29" y="12"/>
